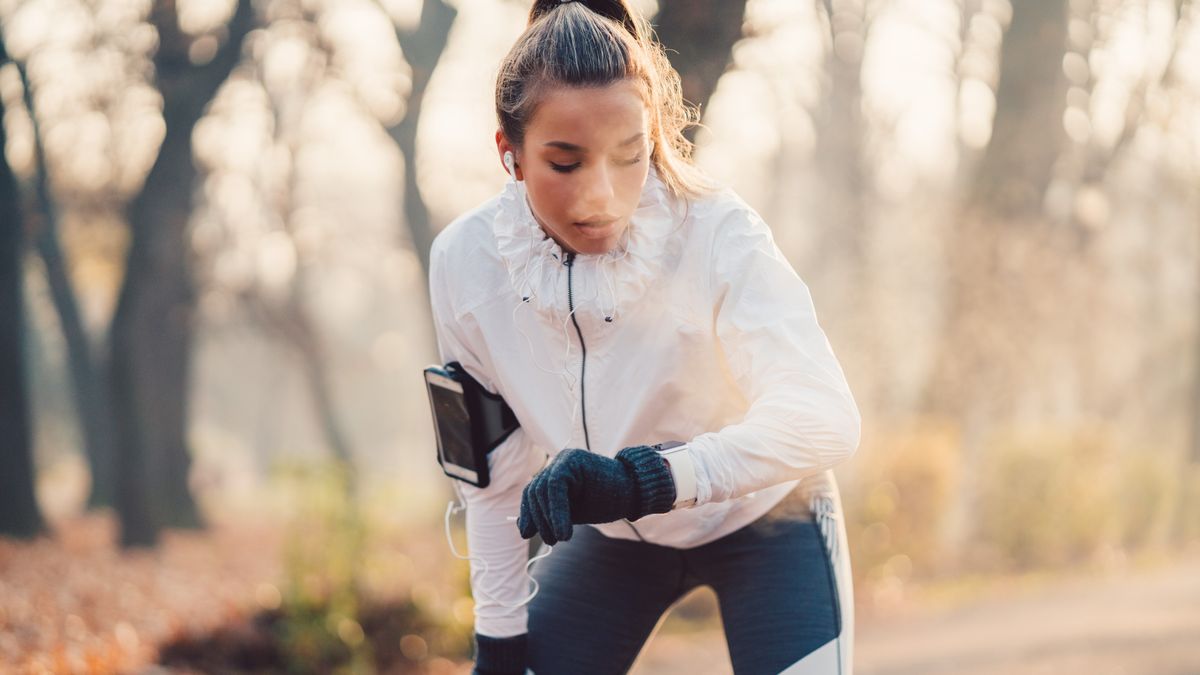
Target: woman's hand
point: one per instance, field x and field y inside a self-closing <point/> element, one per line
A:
<point x="582" y="487"/>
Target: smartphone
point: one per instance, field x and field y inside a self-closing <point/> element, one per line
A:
<point x="457" y="453"/>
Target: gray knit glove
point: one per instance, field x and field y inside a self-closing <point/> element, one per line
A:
<point x="582" y="487"/>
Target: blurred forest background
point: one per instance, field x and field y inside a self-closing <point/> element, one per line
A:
<point x="215" y="446"/>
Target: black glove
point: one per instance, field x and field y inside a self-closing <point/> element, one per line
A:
<point x="500" y="656"/>
<point x="583" y="487"/>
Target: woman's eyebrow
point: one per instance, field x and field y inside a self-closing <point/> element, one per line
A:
<point x="571" y="147"/>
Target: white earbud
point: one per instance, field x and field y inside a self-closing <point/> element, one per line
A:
<point x="510" y="163"/>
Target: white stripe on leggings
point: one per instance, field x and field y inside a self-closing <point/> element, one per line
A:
<point x="833" y="657"/>
<point x="826" y="660"/>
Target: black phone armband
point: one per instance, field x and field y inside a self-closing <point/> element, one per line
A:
<point x="468" y="420"/>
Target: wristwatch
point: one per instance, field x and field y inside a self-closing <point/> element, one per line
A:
<point x="683" y="470"/>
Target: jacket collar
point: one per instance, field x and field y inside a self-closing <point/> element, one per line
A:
<point x="601" y="284"/>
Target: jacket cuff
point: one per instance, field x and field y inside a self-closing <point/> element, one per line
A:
<point x="500" y="656"/>
<point x="652" y="475"/>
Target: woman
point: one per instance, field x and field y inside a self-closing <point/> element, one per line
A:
<point x="619" y="302"/>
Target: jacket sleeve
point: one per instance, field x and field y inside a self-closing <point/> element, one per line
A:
<point x="498" y="552"/>
<point x="802" y="418"/>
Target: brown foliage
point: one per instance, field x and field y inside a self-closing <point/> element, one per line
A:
<point x="74" y="603"/>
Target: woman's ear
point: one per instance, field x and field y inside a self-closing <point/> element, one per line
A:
<point x="508" y="156"/>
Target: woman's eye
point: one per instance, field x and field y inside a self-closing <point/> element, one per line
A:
<point x="568" y="168"/>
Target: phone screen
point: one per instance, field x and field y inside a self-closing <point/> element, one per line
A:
<point x="453" y="429"/>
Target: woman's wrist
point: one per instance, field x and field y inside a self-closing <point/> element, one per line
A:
<point x="652" y="477"/>
<point x="500" y="656"/>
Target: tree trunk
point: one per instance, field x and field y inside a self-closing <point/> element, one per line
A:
<point x="293" y="326"/>
<point x="699" y="36"/>
<point x="288" y="317"/>
<point x="1027" y="131"/>
<point x="19" y="514"/>
<point x="422" y="49"/>
<point x="987" y="341"/>
<point x="151" y="332"/>
<point x="1001" y="209"/>
<point x="1195" y="403"/>
<point x="87" y="385"/>
<point x="837" y="267"/>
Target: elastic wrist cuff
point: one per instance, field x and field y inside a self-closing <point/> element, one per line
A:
<point x="655" y="485"/>
<point x="500" y="656"/>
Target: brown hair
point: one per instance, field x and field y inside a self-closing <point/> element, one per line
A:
<point x="595" y="43"/>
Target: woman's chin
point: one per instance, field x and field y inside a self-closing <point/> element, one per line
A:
<point x="595" y="246"/>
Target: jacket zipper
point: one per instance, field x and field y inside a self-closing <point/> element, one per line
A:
<point x="569" y="261"/>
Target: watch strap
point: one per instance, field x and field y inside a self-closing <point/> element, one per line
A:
<point x="683" y="470"/>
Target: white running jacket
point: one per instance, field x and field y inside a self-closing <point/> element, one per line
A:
<point x="695" y="328"/>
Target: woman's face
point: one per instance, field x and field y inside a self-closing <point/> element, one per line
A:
<point x="584" y="162"/>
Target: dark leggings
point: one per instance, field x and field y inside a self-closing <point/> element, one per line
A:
<point x="775" y="581"/>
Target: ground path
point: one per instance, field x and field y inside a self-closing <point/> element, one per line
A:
<point x="1141" y="621"/>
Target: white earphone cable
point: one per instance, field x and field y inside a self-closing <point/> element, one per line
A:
<point x="528" y="294"/>
<point x="451" y="509"/>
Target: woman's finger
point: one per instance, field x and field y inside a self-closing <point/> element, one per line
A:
<point x="541" y="495"/>
<point x="559" y="504"/>
<point x="525" y="522"/>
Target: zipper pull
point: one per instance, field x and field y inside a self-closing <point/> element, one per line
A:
<point x="570" y="259"/>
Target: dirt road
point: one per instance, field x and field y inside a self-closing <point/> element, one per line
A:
<point x="1146" y="621"/>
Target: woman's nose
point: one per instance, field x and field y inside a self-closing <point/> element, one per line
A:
<point x="599" y="191"/>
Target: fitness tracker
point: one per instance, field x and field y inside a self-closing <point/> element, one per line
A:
<point x="683" y="470"/>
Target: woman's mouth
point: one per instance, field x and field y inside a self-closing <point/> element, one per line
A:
<point x="596" y="227"/>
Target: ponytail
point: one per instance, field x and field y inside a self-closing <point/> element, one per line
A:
<point x="584" y="43"/>
<point x="614" y="10"/>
